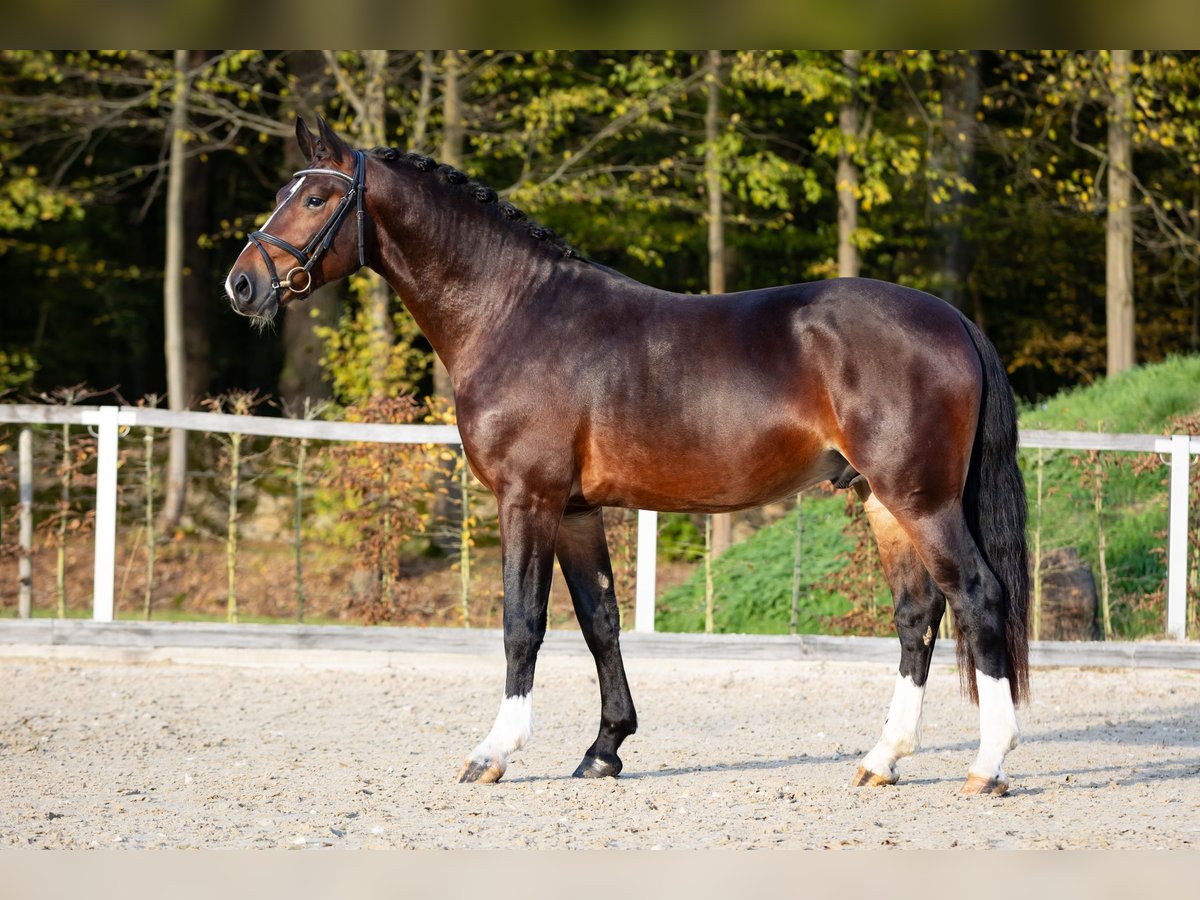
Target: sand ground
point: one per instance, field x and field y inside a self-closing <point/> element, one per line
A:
<point x="742" y="754"/>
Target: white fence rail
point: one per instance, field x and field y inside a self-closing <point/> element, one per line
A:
<point x="108" y="420"/>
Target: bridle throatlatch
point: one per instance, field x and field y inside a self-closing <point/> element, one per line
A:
<point x="298" y="280"/>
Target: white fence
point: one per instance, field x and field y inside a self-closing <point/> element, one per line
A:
<point x="108" y="420"/>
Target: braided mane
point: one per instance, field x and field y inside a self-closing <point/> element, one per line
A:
<point x="483" y="194"/>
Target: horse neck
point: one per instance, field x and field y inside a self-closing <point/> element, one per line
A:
<point x="460" y="273"/>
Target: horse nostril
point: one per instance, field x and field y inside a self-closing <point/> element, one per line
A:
<point x="243" y="288"/>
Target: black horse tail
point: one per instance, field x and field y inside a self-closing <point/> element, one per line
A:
<point x="994" y="503"/>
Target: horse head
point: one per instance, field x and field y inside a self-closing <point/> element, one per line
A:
<point x="304" y="238"/>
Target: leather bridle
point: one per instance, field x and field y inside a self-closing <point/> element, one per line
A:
<point x="322" y="239"/>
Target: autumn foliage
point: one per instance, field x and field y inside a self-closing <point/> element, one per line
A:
<point x="383" y="494"/>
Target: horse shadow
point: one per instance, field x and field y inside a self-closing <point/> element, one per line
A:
<point x="1181" y="729"/>
<point x="748" y="765"/>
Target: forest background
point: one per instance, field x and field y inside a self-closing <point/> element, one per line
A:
<point x="1042" y="192"/>
<point x="1052" y="195"/>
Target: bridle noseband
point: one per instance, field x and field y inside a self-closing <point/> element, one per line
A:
<point x="322" y="239"/>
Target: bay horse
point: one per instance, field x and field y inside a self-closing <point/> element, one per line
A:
<point x="579" y="388"/>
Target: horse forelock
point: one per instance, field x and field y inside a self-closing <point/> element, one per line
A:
<point x="452" y="179"/>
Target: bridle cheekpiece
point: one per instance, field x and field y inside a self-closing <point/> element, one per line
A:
<point x="322" y="239"/>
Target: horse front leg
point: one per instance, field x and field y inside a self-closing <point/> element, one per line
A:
<point x="583" y="556"/>
<point x="528" y="526"/>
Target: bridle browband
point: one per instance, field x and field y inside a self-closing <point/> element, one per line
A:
<point x="322" y="239"/>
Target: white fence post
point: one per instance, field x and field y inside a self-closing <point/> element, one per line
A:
<point x="25" y="558"/>
<point x="647" y="561"/>
<point x="1177" y="538"/>
<point x="106" y="514"/>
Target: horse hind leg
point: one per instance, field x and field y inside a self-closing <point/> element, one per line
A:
<point x="957" y="567"/>
<point x="583" y="557"/>
<point x="919" y="607"/>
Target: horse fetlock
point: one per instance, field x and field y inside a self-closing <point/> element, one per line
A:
<point x="906" y="746"/>
<point x="900" y="740"/>
<point x="618" y="729"/>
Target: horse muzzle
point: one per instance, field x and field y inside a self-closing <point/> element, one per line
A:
<point x="249" y="297"/>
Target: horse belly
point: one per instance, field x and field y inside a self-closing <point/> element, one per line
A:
<point x="743" y="470"/>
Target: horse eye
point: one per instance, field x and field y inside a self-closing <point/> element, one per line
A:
<point x="314" y="202"/>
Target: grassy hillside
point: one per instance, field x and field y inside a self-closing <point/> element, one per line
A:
<point x="1140" y="400"/>
<point x="752" y="582"/>
<point x="1134" y="495"/>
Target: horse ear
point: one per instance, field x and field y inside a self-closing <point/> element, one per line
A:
<point x="330" y="142"/>
<point x="305" y="139"/>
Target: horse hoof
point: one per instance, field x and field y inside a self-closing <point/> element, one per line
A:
<point x="599" y="767"/>
<point x="867" y="778"/>
<point x="475" y="772"/>
<point x="978" y="785"/>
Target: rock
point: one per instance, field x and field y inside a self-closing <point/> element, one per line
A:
<point x="1069" y="599"/>
<point x="272" y="517"/>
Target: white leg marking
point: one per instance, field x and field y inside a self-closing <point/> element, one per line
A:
<point x="998" y="732"/>
<point x="902" y="730"/>
<point x="512" y="730"/>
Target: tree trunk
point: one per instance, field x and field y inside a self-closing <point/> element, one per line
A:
<point x="198" y="277"/>
<point x="448" y="507"/>
<point x="712" y="177"/>
<point x="722" y="523"/>
<point x="1119" y="224"/>
<point x="453" y="128"/>
<point x="378" y="295"/>
<point x="176" y="481"/>
<point x="420" y="130"/>
<point x="960" y="104"/>
<point x="453" y="134"/>
<point x="302" y="376"/>
<point x="847" y="172"/>
<point x="1194" y="336"/>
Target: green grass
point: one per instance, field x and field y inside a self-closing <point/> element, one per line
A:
<point x="752" y="581"/>
<point x="11" y="613"/>
<point x="1140" y="400"/>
